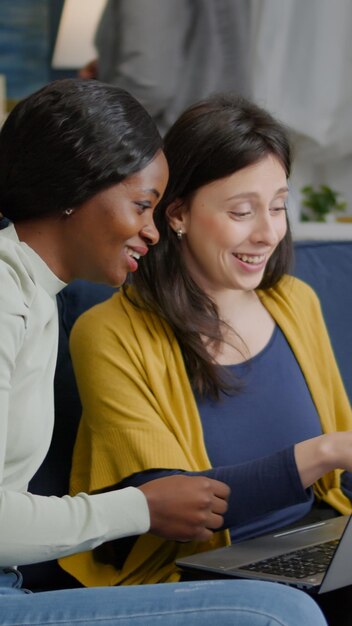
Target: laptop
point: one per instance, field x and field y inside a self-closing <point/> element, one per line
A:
<point x="316" y="557"/>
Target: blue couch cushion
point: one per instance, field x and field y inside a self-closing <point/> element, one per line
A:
<point x="327" y="267"/>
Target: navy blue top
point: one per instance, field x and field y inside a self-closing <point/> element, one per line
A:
<point x="273" y="411"/>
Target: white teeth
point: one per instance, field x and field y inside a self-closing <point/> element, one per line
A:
<point x="254" y="260"/>
<point x="133" y="254"/>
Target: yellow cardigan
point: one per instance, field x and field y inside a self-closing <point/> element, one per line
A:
<point x="139" y="413"/>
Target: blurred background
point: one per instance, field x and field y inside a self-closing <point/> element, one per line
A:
<point x="291" y="56"/>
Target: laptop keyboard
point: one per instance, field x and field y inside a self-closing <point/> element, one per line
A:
<point x="298" y="564"/>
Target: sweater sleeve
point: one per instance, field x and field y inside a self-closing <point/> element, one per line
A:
<point x="56" y="527"/>
<point x="35" y="528"/>
<point x="12" y="325"/>
<point x="258" y="487"/>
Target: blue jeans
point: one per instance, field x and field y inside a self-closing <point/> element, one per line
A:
<point x="206" y="603"/>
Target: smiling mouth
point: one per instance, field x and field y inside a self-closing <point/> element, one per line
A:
<point x="132" y="253"/>
<point x="251" y="259"/>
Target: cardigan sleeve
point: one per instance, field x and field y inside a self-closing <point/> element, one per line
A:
<point x="135" y="407"/>
<point x="139" y="413"/>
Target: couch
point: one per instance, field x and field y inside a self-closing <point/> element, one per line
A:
<point x="325" y="265"/>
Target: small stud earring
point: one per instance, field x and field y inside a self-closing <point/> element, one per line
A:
<point x="68" y="211"/>
<point x="179" y="233"/>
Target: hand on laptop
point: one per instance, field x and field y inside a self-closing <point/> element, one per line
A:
<point x="186" y="508"/>
<point x="315" y="457"/>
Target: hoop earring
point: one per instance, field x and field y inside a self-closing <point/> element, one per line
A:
<point x="68" y="212"/>
<point x="179" y="233"/>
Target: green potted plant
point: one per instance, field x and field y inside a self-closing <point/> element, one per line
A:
<point x="320" y="203"/>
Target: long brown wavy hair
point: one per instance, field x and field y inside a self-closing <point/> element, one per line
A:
<point x="210" y="140"/>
